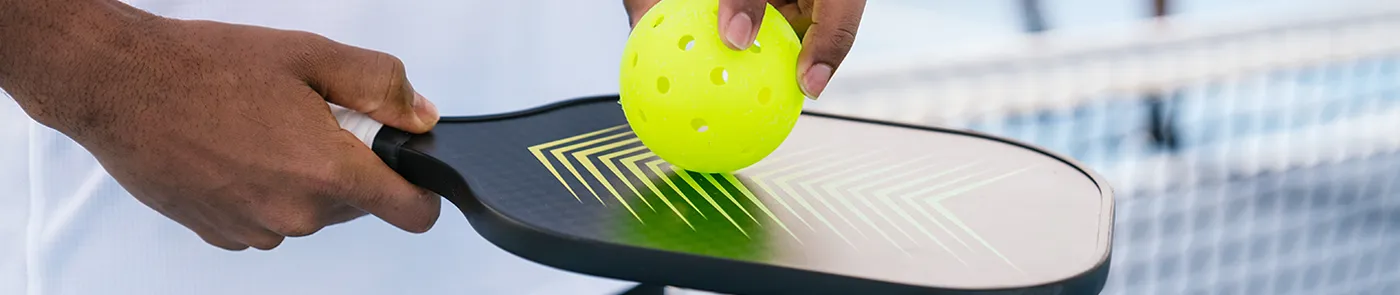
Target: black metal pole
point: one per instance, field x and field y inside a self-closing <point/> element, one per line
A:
<point x="1034" y="16"/>
<point x="1160" y="8"/>
<point x="1159" y="103"/>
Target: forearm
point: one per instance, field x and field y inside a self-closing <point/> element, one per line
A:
<point x="48" y="45"/>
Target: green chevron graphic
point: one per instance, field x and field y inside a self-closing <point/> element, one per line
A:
<point x="559" y="154"/>
<point x="655" y="165"/>
<point x="909" y="198"/>
<point x="721" y="189"/>
<point x="806" y="184"/>
<point x="608" y="149"/>
<point x="749" y="194"/>
<point x="865" y="178"/>
<point x="758" y="180"/>
<point x="631" y="163"/>
<point x="582" y="157"/>
<point x="608" y="162"/>
<point x="781" y="183"/>
<point x="685" y="175"/>
<point x="937" y="206"/>
<point x="844" y="199"/>
<point x="856" y="188"/>
<point x="536" y="150"/>
<point x="886" y="198"/>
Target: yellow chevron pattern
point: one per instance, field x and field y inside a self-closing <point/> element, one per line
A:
<point x="845" y="194"/>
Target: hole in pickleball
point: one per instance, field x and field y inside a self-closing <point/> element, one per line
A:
<point x="634" y="60"/>
<point x="765" y="95"/>
<point x="663" y="85"/>
<point x="642" y="115"/>
<point x="687" y="42"/>
<point x="699" y="125"/>
<point x="719" y="76"/>
<point x="659" y="18"/>
<point x="756" y="48"/>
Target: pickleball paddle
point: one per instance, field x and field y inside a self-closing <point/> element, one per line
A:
<point x="843" y="206"/>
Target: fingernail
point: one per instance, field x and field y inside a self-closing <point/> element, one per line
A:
<point x="816" y="79"/>
<point x="425" y="109"/>
<point x="740" y="33"/>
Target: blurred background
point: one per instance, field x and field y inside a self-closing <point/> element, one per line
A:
<point x="1254" y="145"/>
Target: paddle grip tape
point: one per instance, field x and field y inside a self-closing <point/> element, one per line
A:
<point x="385" y="142"/>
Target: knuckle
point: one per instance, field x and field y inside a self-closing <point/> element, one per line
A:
<point x="309" y="38"/>
<point x="842" y="38"/>
<point x="308" y="48"/>
<point x="394" y="77"/>
<point x="757" y="7"/>
<point x="389" y="60"/>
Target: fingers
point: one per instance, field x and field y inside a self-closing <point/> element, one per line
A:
<point x="237" y="226"/>
<point x="209" y="234"/>
<point x="218" y="240"/>
<point x="827" y="41"/>
<point x="222" y="231"/>
<point x="374" y="188"/>
<point x="637" y="8"/>
<point x="739" y="21"/>
<point x="264" y="227"/>
<point x="373" y="83"/>
<point x="296" y="217"/>
<point x="257" y="237"/>
<point x="300" y="217"/>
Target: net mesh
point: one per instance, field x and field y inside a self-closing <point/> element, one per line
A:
<point x="1260" y="160"/>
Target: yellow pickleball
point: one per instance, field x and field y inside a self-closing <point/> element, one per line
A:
<point x="700" y="105"/>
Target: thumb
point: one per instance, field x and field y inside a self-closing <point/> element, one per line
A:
<point x="373" y="83"/>
<point x="827" y="42"/>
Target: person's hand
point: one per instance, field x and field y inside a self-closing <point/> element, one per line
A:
<point x="827" y="28"/>
<point x="225" y="128"/>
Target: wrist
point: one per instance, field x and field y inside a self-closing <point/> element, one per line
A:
<point x="33" y="31"/>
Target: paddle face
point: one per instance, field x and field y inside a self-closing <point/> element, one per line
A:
<point x="843" y="206"/>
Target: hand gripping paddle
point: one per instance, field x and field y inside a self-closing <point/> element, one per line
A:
<point x="843" y="206"/>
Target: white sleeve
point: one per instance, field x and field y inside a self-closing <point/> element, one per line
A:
<point x="14" y="196"/>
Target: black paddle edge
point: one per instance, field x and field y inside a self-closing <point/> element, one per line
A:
<point x="412" y="156"/>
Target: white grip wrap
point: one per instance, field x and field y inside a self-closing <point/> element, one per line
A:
<point x="364" y="127"/>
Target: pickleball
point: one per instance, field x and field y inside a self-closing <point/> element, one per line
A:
<point x="699" y="104"/>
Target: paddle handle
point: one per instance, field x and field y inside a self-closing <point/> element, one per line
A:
<point x="364" y="127"/>
<point x="384" y="140"/>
